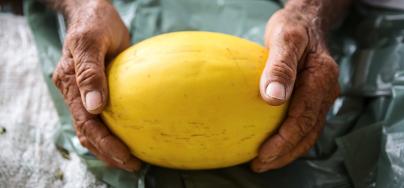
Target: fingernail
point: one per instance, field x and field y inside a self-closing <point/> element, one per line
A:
<point x="259" y="169"/>
<point x="118" y="160"/>
<point x="93" y="100"/>
<point x="276" y="90"/>
<point x="269" y="159"/>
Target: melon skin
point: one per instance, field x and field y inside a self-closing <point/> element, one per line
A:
<point x="190" y="100"/>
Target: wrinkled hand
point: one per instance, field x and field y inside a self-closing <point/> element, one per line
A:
<point x="95" y="34"/>
<point x="299" y="68"/>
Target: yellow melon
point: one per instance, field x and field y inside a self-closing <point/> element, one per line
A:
<point x="190" y="100"/>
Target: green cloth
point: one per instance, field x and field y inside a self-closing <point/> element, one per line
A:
<point x="362" y="144"/>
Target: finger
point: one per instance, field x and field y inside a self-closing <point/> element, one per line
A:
<point x="88" y="124"/>
<point x="84" y="142"/>
<point x="308" y="141"/>
<point x="108" y="145"/>
<point x="287" y="45"/>
<point x="129" y="166"/>
<point x="311" y="88"/>
<point x="302" y="148"/>
<point x="89" y="56"/>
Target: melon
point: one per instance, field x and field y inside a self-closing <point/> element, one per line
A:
<point x="190" y="100"/>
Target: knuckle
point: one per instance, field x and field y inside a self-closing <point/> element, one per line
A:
<point x="286" y="144"/>
<point x="84" y="142"/>
<point x="325" y="70"/>
<point x="330" y="71"/>
<point x="63" y="76"/>
<point x="106" y="140"/>
<point x="78" y="125"/>
<point x="63" y="69"/>
<point x="86" y="126"/>
<point x="111" y="146"/>
<point x="306" y="118"/>
<point x="282" y="71"/>
<point x="331" y="65"/>
<point x="87" y="74"/>
<point x="56" y="77"/>
<point x="327" y="62"/>
<point x="93" y="131"/>
<point x="307" y="123"/>
<point x="293" y="34"/>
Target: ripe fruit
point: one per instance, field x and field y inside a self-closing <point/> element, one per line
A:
<point x="190" y="100"/>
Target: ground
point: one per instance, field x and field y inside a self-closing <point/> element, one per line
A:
<point x="28" y="120"/>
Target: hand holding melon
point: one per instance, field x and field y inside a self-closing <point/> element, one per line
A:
<point x="199" y="100"/>
<point x="95" y="33"/>
<point x="299" y="63"/>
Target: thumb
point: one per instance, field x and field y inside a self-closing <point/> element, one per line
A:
<point x="90" y="77"/>
<point x="279" y="74"/>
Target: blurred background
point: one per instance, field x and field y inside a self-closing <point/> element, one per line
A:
<point x="28" y="119"/>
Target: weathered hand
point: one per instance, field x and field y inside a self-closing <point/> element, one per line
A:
<point x="95" y="34"/>
<point x="299" y="68"/>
